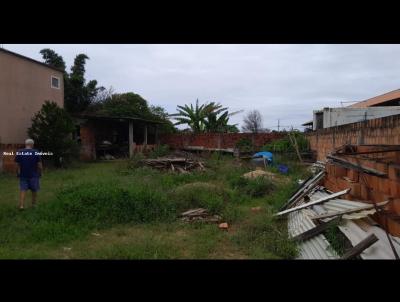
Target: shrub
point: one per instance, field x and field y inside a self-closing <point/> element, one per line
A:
<point x="200" y="195"/>
<point x="244" y="145"/>
<point x="253" y="187"/>
<point x="51" y="129"/>
<point x="135" y="161"/>
<point x="159" y="151"/>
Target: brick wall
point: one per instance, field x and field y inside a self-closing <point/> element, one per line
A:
<point x="370" y="188"/>
<point x="384" y="130"/>
<point x="216" y="140"/>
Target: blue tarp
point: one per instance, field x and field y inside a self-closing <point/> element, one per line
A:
<point x="267" y="155"/>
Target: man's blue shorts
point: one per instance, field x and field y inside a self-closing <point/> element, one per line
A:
<point x="29" y="184"/>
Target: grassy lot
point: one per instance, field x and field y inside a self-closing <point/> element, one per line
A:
<point x="114" y="210"/>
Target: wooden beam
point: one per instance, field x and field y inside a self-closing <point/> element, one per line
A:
<point x="156" y="135"/>
<point x="316" y="231"/>
<point x="360" y="247"/>
<point x="340" y="213"/>
<point x="309" y="204"/>
<point x="145" y="135"/>
<point x="347" y="164"/>
<point x="130" y="138"/>
<point x="304" y="190"/>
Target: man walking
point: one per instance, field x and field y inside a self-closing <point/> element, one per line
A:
<point x="29" y="170"/>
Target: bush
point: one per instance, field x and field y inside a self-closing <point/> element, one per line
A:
<point x="200" y="195"/>
<point x="244" y="145"/>
<point x="135" y="161"/>
<point x="253" y="187"/>
<point x="285" y="145"/>
<point x="51" y="130"/>
<point x="159" y="151"/>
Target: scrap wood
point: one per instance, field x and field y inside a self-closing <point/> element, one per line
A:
<point x="360" y="247"/>
<point x="348" y="164"/>
<point x="304" y="189"/>
<point x="340" y="213"/>
<point x="321" y="200"/>
<point x="316" y="230"/>
<point x="200" y="214"/>
<point x="179" y="164"/>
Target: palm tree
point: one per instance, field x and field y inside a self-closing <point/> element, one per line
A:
<point x="204" y="117"/>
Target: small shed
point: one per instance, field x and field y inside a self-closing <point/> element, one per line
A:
<point x="119" y="137"/>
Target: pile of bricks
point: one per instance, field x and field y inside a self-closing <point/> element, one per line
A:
<point x="370" y="188"/>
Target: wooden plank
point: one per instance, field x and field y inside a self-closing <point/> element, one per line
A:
<point x="360" y="247"/>
<point x="316" y="231"/>
<point x="354" y="166"/>
<point x="309" y="204"/>
<point x="304" y="191"/>
<point x="340" y="213"/>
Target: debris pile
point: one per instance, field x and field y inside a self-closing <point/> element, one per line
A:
<point x="181" y="165"/>
<point x="200" y="214"/>
<point x="313" y="208"/>
<point x="258" y="173"/>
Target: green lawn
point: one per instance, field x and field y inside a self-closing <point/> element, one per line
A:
<point x="112" y="210"/>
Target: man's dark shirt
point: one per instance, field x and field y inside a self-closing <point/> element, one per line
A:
<point x="28" y="163"/>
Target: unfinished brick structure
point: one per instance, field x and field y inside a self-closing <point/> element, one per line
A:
<point x="371" y="169"/>
<point x="383" y="131"/>
<point x="217" y="140"/>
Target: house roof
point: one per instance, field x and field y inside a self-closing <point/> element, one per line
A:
<point x="29" y="59"/>
<point x="117" y="118"/>
<point x="308" y="123"/>
<point x="378" y="100"/>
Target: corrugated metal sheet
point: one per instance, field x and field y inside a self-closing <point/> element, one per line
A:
<point x="358" y="230"/>
<point x="355" y="226"/>
<point x="338" y="205"/>
<point x="317" y="247"/>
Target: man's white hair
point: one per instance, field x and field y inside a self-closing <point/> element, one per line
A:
<point x="29" y="141"/>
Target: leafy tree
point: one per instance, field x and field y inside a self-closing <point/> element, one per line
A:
<point x="253" y="122"/>
<point x="78" y="94"/>
<point x="125" y="104"/>
<point x="51" y="130"/>
<point x="53" y="59"/>
<point x="215" y="123"/>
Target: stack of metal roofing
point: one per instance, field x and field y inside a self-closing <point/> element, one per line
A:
<point x="312" y="203"/>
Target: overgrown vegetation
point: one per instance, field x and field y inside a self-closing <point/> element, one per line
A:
<point x="284" y="145"/>
<point x="135" y="212"/>
<point x="244" y="145"/>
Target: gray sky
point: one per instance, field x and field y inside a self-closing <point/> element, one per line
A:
<point x="283" y="82"/>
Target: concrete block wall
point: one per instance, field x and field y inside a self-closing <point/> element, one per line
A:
<point x="216" y="140"/>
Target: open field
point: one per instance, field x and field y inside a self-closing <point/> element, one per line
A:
<point x="106" y="210"/>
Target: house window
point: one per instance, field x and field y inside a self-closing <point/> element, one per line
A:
<point x="55" y="82"/>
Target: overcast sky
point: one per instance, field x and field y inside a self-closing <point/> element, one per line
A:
<point x="285" y="82"/>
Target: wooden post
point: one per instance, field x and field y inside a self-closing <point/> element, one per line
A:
<point x="145" y="135"/>
<point x="130" y="138"/>
<point x="156" y="135"/>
